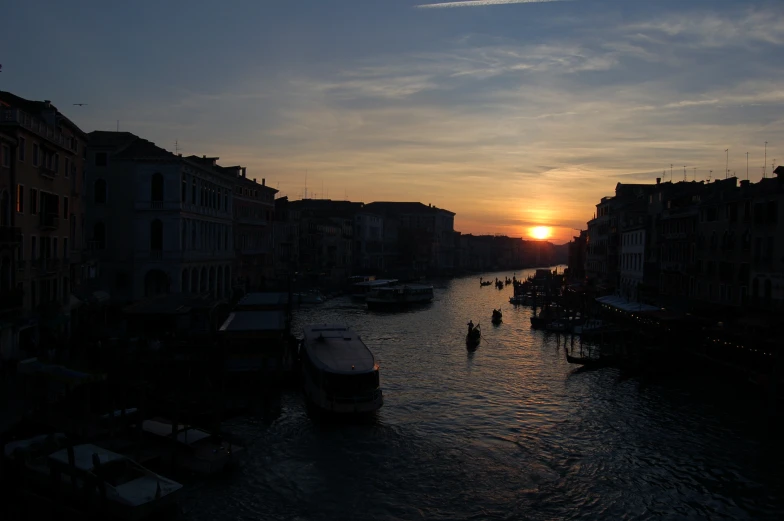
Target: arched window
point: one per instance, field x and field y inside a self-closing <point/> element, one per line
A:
<point x="156" y="187"/>
<point x="184" y="282"/>
<point x="100" y="191"/>
<point x="156" y="235"/>
<point x="99" y="235"/>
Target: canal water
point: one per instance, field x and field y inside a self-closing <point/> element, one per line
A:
<point x="508" y="431"/>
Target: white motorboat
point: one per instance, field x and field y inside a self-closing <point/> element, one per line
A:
<point x="399" y="296"/>
<point x="340" y="373"/>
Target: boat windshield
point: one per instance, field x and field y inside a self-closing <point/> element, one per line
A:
<point x="343" y="384"/>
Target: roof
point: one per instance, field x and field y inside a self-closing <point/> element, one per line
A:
<point x="252" y="300"/>
<point x="83" y="456"/>
<point x="625" y="305"/>
<point x="143" y="149"/>
<point x="391" y="207"/>
<point x="338" y="349"/>
<point x="108" y="139"/>
<point x="249" y="321"/>
<point x="171" y="304"/>
<point x="36" y="108"/>
<point x="186" y="434"/>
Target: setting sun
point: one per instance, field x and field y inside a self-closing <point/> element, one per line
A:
<point x="540" y="232"/>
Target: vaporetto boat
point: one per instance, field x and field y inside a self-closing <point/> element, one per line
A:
<point x="399" y="296"/>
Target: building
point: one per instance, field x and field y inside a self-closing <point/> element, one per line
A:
<point x="418" y="238"/>
<point x="285" y="241"/>
<point x="632" y="255"/>
<point x="157" y="222"/>
<point x="254" y="216"/>
<point x="369" y="242"/>
<point x="42" y="219"/>
<point x="577" y="251"/>
<point x="766" y="236"/>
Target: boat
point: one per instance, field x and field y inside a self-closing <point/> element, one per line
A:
<point x="198" y="451"/>
<point x="485" y="283"/>
<point x="525" y="299"/>
<point x="132" y="491"/>
<point x="308" y="297"/>
<point x="474" y="336"/>
<point x="497" y="316"/>
<point x="546" y="315"/>
<point x="360" y="290"/>
<point x="340" y="373"/>
<point x="399" y="296"/>
<point x="591" y="326"/>
<point x="591" y="362"/>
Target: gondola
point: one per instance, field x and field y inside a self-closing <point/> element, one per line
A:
<point x="497" y="317"/>
<point x="473" y="338"/>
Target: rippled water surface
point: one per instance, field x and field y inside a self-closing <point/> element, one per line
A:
<point x="506" y="432"/>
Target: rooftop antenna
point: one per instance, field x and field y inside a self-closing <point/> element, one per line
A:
<point x="727" y="164"/>
<point x="176" y="147"/>
<point x="710" y="173"/>
<point x="80" y="104"/>
<point x="306" y="184"/>
<point x="671" y="172"/>
<point x="695" y="173"/>
<point x="684" y="172"/>
<point x="747" y="166"/>
<point x="765" y="161"/>
<point x="322" y="188"/>
<point x="118" y="125"/>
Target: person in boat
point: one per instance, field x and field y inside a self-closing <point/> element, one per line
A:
<point x="496" y="313"/>
<point x="470" y="326"/>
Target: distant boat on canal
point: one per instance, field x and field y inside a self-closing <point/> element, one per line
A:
<point x="399" y="296"/>
<point x="361" y="289"/>
<point x="340" y="373"/>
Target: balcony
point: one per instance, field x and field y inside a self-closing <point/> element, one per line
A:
<point x="9" y="235"/>
<point x="49" y="221"/>
<point x="46" y="172"/>
<point x="11" y="299"/>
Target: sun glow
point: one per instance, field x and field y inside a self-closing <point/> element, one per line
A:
<point x="541" y="232"/>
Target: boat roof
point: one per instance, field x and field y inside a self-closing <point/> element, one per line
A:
<point x="263" y="299"/>
<point x="338" y="349"/>
<point x="377" y="282"/>
<point x="185" y="433"/>
<point x="83" y="456"/>
<point x="242" y="321"/>
<point x="625" y="305"/>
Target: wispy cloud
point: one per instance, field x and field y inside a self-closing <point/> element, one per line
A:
<point x="483" y="3"/>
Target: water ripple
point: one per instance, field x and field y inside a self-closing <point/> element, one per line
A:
<point x="509" y="431"/>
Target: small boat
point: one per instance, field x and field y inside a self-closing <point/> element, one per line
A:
<point x="525" y="299"/>
<point x="399" y="296"/>
<point x="590" y="326"/>
<point x="556" y="326"/>
<point x="197" y="451"/>
<point x="497" y="316"/>
<point x="546" y="315"/>
<point x="340" y="374"/>
<point x="132" y="492"/>
<point x="485" y="283"/>
<point x="473" y="338"/>
<point x="602" y="361"/>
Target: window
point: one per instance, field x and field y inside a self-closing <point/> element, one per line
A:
<point x="193" y="190"/>
<point x="66" y="252"/>
<point x="184" y="194"/>
<point x="100" y="191"/>
<point x="65" y="207"/>
<point x="100" y="159"/>
<point x="20" y="198"/>
<point x="33" y="248"/>
<point x="56" y="165"/>
<point x="33" y="293"/>
<point x="22" y="150"/>
<point x="67" y="166"/>
<point x="20" y="251"/>
<point x="33" y="201"/>
<point x="6" y="156"/>
<point x="54" y="248"/>
<point x="156" y="187"/>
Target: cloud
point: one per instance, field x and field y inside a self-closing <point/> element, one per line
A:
<point x="483" y="3"/>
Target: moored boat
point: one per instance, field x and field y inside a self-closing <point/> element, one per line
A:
<point x="340" y="373"/>
<point x="399" y="296"/>
<point x="474" y="336"/>
<point x="198" y="451"/>
<point x="360" y="290"/>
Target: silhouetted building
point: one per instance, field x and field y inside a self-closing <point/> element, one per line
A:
<point x="41" y="220"/>
<point x="254" y="214"/>
<point x="577" y="251"/>
<point x="158" y="222"/>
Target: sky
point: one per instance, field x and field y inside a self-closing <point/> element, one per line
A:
<point x="513" y="114"/>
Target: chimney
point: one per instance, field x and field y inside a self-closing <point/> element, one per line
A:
<point x="180" y="155"/>
<point x="744" y="183"/>
<point x="204" y="156"/>
<point x="243" y="171"/>
<point x="263" y="181"/>
<point x="658" y="180"/>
